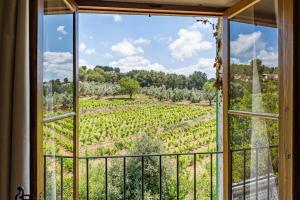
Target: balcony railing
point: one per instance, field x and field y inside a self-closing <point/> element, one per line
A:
<point x="241" y="190"/>
<point x="177" y="156"/>
<point x="263" y="183"/>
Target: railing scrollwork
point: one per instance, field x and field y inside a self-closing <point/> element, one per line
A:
<point x="21" y="194"/>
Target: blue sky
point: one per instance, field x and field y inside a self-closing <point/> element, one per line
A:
<point x="163" y="43"/>
<point x="58" y="47"/>
<point x="250" y="41"/>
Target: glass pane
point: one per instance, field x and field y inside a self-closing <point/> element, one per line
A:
<point x="254" y="145"/>
<point x="255" y="173"/>
<point x="58" y="64"/>
<point x="58" y="152"/>
<point x="59" y="178"/>
<point x="250" y="132"/>
<point x="58" y="137"/>
<point x="254" y="59"/>
<point x="254" y="87"/>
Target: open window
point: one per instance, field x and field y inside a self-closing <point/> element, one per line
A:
<point x="254" y="101"/>
<point x="251" y="160"/>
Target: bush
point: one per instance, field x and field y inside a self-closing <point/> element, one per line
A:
<point x="144" y="145"/>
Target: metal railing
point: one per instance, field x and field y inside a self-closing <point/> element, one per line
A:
<point x="241" y="189"/>
<point x="142" y="158"/>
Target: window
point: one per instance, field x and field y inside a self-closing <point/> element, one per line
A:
<point x="59" y="102"/>
<point x="254" y="102"/>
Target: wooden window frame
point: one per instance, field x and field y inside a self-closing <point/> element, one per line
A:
<point x="286" y="58"/>
<point x="286" y="94"/>
<point x="36" y="98"/>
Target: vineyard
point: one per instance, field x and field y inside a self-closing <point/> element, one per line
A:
<point x="130" y="117"/>
<point x="110" y="127"/>
<point x="115" y="126"/>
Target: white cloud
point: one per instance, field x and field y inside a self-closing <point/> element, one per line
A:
<point x="140" y="63"/>
<point x="82" y="47"/>
<point x="199" y="25"/>
<point x="136" y="63"/>
<point x="126" y="48"/>
<point x="59" y="38"/>
<point x="188" y="44"/>
<point x="244" y="42"/>
<point x="83" y="62"/>
<point x="107" y="56"/>
<point x="204" y="65"/>
<point x="117" y="18"/>
<point x="62" y="30"/>
<point x="141" y="41"/>
<point x="91" y="37"/>
<point x="88" y="51"/>
<point x="163" y="39"/>
<point x="58" y="63"/>
<point x="235" y="61"/>
<point x="204" y="27"/>
<point x="269" y="58"/>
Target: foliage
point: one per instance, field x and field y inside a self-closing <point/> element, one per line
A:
<point x="58" y="96"/>
<point x="209" y="92"/>
<point x="129" y="86"/>
<point x="197" y="80"/>
<point x="175" y="95"/>
<point x="242" y="97"/>
<point x="144" y="145"/>
<point x="145" y="78"/>
<point x="94" y="89"/>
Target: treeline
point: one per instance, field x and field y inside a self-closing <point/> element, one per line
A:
<point x="247" y="69"/>
<point x="99" y="90"/>
<point x="58" y="95"/>
<point x="105" y="74"/>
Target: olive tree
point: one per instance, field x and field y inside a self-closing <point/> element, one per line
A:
<point x="129" y="86"/>
<point x="209" y="92"/>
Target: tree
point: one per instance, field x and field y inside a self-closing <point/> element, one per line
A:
<point x="111" y="77"/>
<point x="209" y="92"/>
<point x="96" y="75"/>
<point x="197" y="80"/>
<point x="144" y="145"/>
<point x="83" y="73"/>
<point x="129" y="86"/>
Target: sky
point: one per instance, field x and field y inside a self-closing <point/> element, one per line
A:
<point x="250" y="41"/>
<point x="162" y="43"/>
<point x="172" y="44"/>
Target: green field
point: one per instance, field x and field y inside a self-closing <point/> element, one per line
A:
<point x="111" y="126"/>
<point x="163" y="116"/>
<point x="116" y="126"/>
